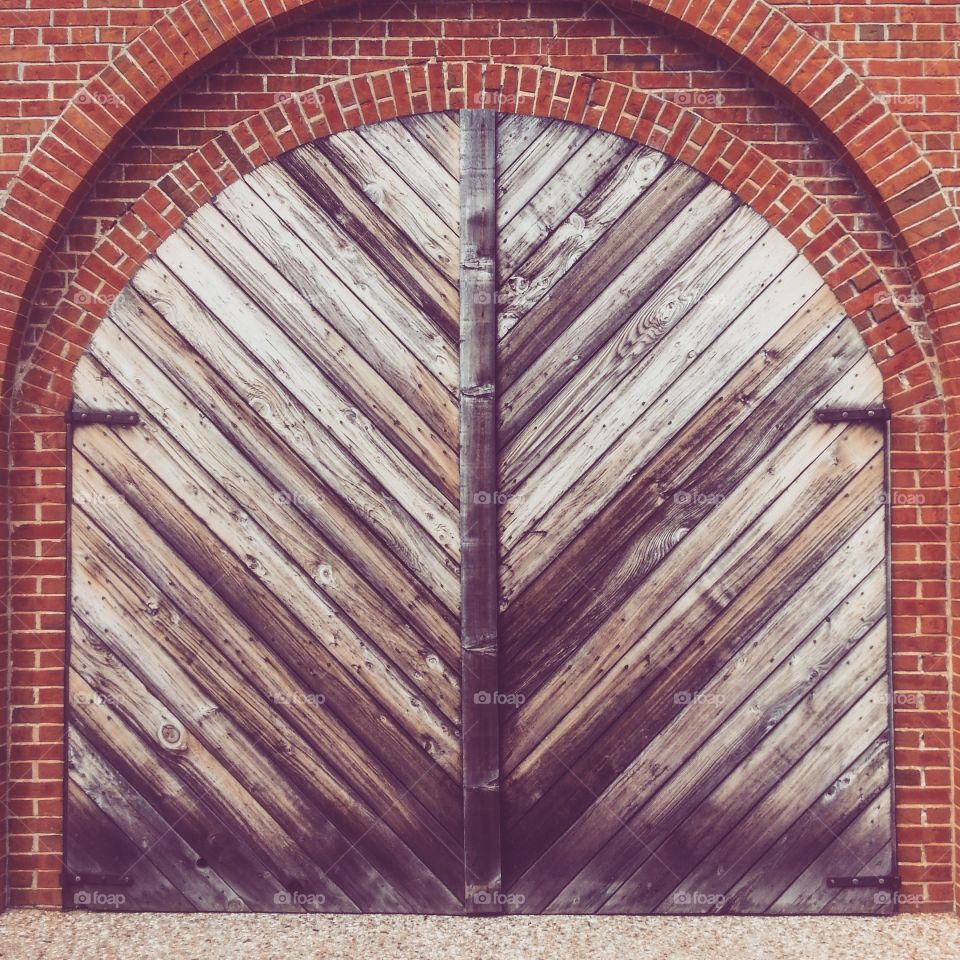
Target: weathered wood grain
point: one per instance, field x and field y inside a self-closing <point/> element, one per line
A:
<point x="264" y="804"/>
<point x="816" y="830"/>
<point x="99" y="849"/>
<point x="286" y="443"/>
<point x="390" y="193"/>
<point x="634" y="283"/>
<point x="564" y="501"/>
<point x="151" y="835"/>
<point x="266" y="568"/>
<point x="381" y="240"/>
<point x="316" y="420"/>
<point x="566" y="787"/>
<point x="674" y="526"/>
<point x="531" y="173"/>
<point x="195" y="524"/>
<point x="869" y="832"/>
<point x="276" y="353"/>
<point x="562" y="193"/>
<point x="523" y="287"/>
<point x="478" y="514"/>
<point x="407" y="371"/>
<point x="440" y="134"/>
<point x="297" y="671"/>
<point x="652" y="517"/>
<point x="302" y="771"/>
<point x="794" y="766"/>
<point x="736" y="709"/>
<point x="514" y="135"/>
<point x="438" y="187"/>
<point x="690" y="579"/>
<point x="362" y="611"/>
<point x="457" y="411"/>
<point x="760" y="727"/>
<point x="752" y="264"/>
<point x="590" y="275"/>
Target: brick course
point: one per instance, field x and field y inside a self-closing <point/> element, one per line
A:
<point x="836" y="121"/>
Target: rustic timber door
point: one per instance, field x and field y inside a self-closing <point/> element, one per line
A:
<point x="265" y="653"/>
<point x="692" y="573"/>
<point x="463" y="522"/>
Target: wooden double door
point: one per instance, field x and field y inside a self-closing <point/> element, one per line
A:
<point x="502" y="529"/>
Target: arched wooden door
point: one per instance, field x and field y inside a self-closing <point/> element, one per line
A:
<point x="265" y="655"/>
<point x="410" y="374"/>
<point x="692" y="630"/>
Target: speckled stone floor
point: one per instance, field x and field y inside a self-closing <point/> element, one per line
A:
<point x="36" y="935"/>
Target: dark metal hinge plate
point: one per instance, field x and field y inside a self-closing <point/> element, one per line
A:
<point x="69" y="879"/>
<point x="851" y="414"/>
<point x="852" y="883"/>
<point x="114" y="418"/>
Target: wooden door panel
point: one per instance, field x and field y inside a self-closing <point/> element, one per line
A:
<point x="477" y="548"/>
<point x="692" y="580"/>
<point x="266" y="568"/>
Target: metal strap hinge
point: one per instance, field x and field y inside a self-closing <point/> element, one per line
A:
<point x="70" y="879"/>
<point x="851" y="414"/>
<point x="115" y="418"/>
<point x="849" y="883"/>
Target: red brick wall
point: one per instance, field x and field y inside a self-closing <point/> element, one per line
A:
<point x="901" y="51"/>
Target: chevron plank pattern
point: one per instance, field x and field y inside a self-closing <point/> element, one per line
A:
<point x="270" y="703"/>
<point x="265" y="654"/>
<point x="692" y="570"/>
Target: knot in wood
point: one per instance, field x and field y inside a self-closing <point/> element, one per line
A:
<point x="172" y="737"/>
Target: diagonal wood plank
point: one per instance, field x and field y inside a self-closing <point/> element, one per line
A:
<point x="390" y="193"/>
<point x="738" y="702"/>
<point x="278" y="435"/>
<point x="852" y="730"/>
<point x="560" y="195"/>
<point x="592" y="328"/>
<point x="381" y="240"/>
<point x="562" y="503"/>
<point x="673" y="524"/>
<point x="514" y="135"/>
<point x="294" y="417"/>
<point x="698" y="651"/>
<point x="661" y="393"/>
<point x="809" y="893"/>
<point x="113" y="855"/>
<point x="820" y="827"/>
<point x="530" y="281"/>
<point x="414" y="385"/>
<point x="694" y="600"/>
<point x="208" y="888"/>
<point x="180" y="520"/>
<point x="368" y="802"/>
<point x="640" y="528"/>
<point x="266" y="546"/>
<point x="540" y="162"/>
<point x="297" y="668"/>
<point x="438" y="187"/>
<point x="440" y="134"/>
<point x="266" y="566"/>
<point x="135" y="714"/>
<point x="590" y="274"/>
<point x="276" y="353"/>
<point x="755" y="262"/>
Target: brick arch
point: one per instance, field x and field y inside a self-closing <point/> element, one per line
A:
<point x="343" y="104"/>
<point x="45" y="386"/>
<point x="68" y="157"/>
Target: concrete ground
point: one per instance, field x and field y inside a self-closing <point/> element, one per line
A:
<point x="36" y="935"/>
